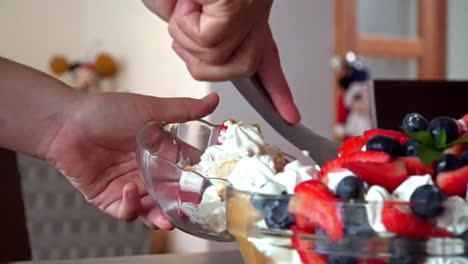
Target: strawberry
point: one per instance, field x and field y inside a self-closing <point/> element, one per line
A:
<point x="401" y="137"/>
<point x="464" y="120"/>
<point x="414" y="166"/>
<point x="305" y="248"/>
<point x="364" y="156"/>
<point x="398" y="219"/>
<point x="454" y="182"/>
<point x="318" y="204"/>
<point x="304" y="224"/>
<point x="388" y="175"/>
<point x="351" y="145"/>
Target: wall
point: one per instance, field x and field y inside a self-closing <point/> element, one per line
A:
<point x="457" y="37"/>
<point x="33" y="30"/>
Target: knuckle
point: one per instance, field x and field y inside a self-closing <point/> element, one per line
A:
<point x="197" y="73"/>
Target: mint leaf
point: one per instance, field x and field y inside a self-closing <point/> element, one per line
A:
<point x="441" y="140"/>
<point x="422" y="137"/>
<point x="428" y="154"/>
<point x="458" y="141"/>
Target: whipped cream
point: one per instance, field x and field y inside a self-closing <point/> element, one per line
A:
<point x="334" y="178"/>
<point x="404" y="191"/>
<point x="294" y="173"/>
<point x="278" y="254"/>
<point x="455" y="216"/>
<point x="256" y="174"/>
<point x="237" y="141"/>
<point x="376" y="195"/>
<point x="211" y="212"/>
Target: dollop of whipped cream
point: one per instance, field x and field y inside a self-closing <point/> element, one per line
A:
<point x="211" y="212"/>
<point x="237" y="141"/>
<point x="257" y="174"/>
<point x="455" y="216"/>
<point x="376" y="195"/>
<point x="404" y="191"/>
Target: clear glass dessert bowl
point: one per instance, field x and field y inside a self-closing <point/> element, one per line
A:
<point x="165" y="153"/>
<point x="353" y="231"/>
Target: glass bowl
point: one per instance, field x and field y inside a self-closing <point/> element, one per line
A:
<point x="362" y="241"/>
<point x="164" y="155"/>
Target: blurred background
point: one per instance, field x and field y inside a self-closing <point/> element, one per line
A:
<point x="397" y="39"/>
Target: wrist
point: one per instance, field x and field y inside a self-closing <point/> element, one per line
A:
<point x="53" y="122"/>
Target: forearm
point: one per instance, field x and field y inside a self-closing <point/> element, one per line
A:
<point x="33" y="107"/>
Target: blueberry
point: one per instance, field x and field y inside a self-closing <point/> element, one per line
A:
<point x="276" y="214"/>
<point x="426" y="201"/>
<point x="464" y="236"/>
<point x="414" y="122"/>
<point x="258" y="201"/>
<point x="437" y="125"/>
<point x="411" y="148"/>
<point x="350" y="187"/>
<point x="405" y="250"/>
<point x="355" y="221"/>
<point x="464" y="157"/>
<point x="448" y="162"/>
<point x="337" y="259"/>
<point x="386" y="144"/>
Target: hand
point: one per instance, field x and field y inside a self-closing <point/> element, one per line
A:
<point x="95" y="149"/>
<point x="223" y="40"/>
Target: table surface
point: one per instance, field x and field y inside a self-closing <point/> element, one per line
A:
<point x="232" y="257"/>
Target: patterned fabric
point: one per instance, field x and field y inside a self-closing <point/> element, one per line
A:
<point x="61" y="224"/>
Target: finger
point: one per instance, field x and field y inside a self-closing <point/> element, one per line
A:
<point x="272" y="77"/>
<point x="131" y="204"/>
<point x="210" y="25"/>
<point x="152" y="215"/>
<point x="181" y="109"/>
<point x="157" y="218"/>
<point x="244" y="62"/>
<point x="216" y="55"/>
<point x="162" y="8"/>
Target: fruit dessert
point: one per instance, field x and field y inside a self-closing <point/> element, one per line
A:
<point x="253" y="169"/>
<point x="403" y="193"/>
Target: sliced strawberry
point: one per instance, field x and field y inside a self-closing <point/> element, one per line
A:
<point x="305" y="248"/>
<point x="351" y="145"/>
<point x="388" y="175"/>
<point x="454" y="182"/>
<point x="414" y="166"/>
<point x="304" y="224"/>
<point x="364" y="156"/>
<point x="401" y="137"/>
<point x="464" y="119"/>
<point x="459" y="148"/>
<point x="398" y="219"/>
<point x="318" y="204"/>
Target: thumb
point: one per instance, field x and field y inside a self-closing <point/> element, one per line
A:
<point x="182" y="109"/>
